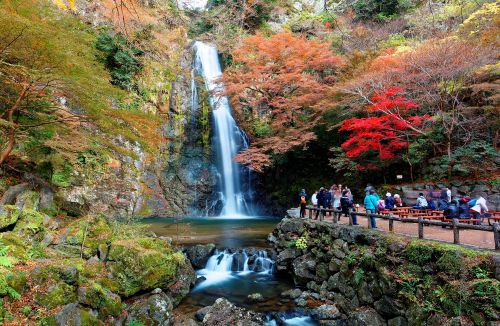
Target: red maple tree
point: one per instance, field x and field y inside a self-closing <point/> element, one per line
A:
<point x="387" y="130"/>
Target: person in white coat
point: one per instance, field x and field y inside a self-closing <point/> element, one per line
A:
<point x="479" y="209"/>
<point x="314" y="199"/>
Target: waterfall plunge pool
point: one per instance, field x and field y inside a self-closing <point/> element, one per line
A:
<point x="223" y="232"/>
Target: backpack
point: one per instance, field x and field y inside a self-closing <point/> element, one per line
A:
<point x="303" y="199"/>
<point x="472" y="203"/>
<point x="424" y="203"/>
<point x="380" y="204"/>
<point x="431" y="205"/>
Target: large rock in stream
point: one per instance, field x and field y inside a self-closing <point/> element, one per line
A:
<point x="224" y="313"/>
<point x="199" y="255"/>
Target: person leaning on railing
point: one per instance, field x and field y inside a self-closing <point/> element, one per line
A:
<point x="347" y="205"/>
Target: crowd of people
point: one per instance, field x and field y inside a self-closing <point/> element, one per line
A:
<point x="460" y="207"/>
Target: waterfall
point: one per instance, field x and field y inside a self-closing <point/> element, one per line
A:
<point x="239" y="261"/>
<point x="229" y="137"/>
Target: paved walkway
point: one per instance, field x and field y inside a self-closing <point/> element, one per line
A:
<point x="431" y="232"/>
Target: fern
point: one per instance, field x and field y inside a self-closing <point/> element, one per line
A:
<point x="13" y="293"/>
<point x="4" y="260"/>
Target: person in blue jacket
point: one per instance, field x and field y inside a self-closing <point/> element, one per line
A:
<point x="389" y="201"/>
<point x="370" y="205"/>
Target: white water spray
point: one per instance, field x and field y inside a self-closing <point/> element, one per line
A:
<point x="230" y="137"/>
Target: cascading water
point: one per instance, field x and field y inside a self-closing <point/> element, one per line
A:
<point x="229" y="137"/>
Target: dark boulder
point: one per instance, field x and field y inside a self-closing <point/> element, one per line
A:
<point x="365" y="317"/>
<point x="199" y="255"/>
<point x="301" y="271"/>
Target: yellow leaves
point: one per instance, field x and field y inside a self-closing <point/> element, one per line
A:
<point x="67" y="4"/>
<point x="481" y="20"/>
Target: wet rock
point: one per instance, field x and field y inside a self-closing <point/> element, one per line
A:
<point x="224" y="313"/>
<point x="300" y="302"/>
<point x="286" y="256"/>
<point x="200" y="279"/>
<point x="238" y="262"/>
<point x="325" y="311"/>
<point x="256" y="297"/>
<point x="153" y="309"/>
<point x="219" y="291"/>
<point x="200" y="314"/>
<point x="199" y="255"/>
<point x="294" y="294"/>
<point x="365" y="317"/>
<point x="301" y="271"/>
<point x="271" y="238"/>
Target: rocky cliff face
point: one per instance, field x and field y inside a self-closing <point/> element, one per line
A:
<point x="380" y="279"/>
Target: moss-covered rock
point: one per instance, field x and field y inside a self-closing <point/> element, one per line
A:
<point x="30" y="226"/>
<point x="97" y="297"/>
<point x="57" y="294"/>
<point x="93" y="231"/>
<point x="17" y="248"/>
<point x="137" y="268"/>
<point x="27" y="200"/>
<point x="9" y="214"/>
<point x="72" y="315"/>
<point x="151" y="310"/>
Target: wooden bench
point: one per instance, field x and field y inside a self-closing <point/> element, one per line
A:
<point x="412" y="214"/>
<point x="464" y="220"/>
<point x="495" y="217"/>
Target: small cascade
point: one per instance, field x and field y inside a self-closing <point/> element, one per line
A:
<point x="240" y="261"/>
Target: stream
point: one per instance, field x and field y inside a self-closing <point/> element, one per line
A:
<point x="254" y="268"/>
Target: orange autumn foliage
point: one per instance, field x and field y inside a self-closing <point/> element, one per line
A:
<point x="277" y="84"/>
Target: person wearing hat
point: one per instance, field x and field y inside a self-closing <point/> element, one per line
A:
<point x="303" y="197"/>
<point x="397" y="200"/>
<point x="389" y="201"/>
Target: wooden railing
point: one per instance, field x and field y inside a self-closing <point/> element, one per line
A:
<point x="455" y="225"/>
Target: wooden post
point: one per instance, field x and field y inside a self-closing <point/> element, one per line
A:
<point x="310" y="213"/>
<point x="320" y="213"/>
<point x="391" y="222"/>
<point x="334" y="216"/>
<point x="350" y="218"/>
<point x="456" y="239"/>
<point x="420" y="227"/>
<point x="496" y="235"/>
<point x="369" y="220"/>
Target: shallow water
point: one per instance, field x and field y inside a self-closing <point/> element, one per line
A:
<point x="223" y="232"/>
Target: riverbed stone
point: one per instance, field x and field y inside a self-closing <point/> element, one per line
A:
<point x="325" y="312"/>
<point x="294" y="294"/>
<point x="256" y="297"/>
<point x="224" y="313"/>
<point x="238" y="262"/>
<point x="199" y="255"/>
<point x="200" y="314"/>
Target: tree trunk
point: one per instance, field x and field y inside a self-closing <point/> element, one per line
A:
<point x="495" y="139"/>
<point x="448" y="137"/>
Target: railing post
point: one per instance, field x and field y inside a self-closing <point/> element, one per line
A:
<point x="420" y="227"/>
<point x="350" y="218"/>
<point x="334" y="216"/>
<point x="310" y="213"/>
<point x="456" y="239"/>
<point x="320" y="213"/>
<point x="369" y="220"/>
<point x="496" y="235"/>
<point x="391" y="222"/>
